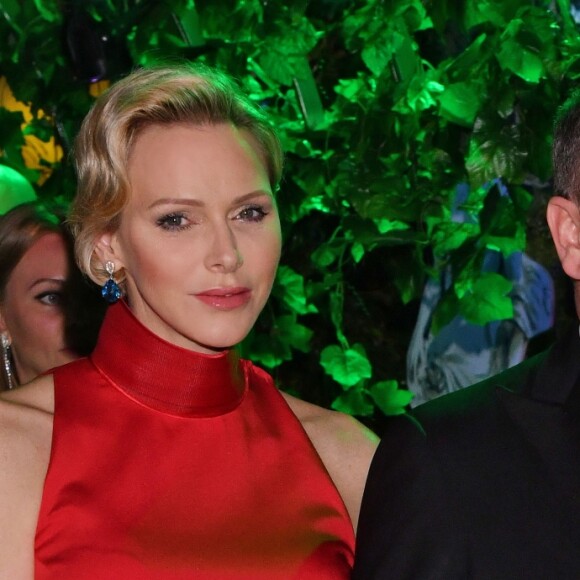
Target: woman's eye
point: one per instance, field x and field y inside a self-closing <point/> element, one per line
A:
<point x="51" y="298"/>
<point x="173" y="221"/>
<point x="253" y="213"/>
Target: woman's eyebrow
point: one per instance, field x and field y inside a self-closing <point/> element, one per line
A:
<point x="59" y="281"/>
<point x="198" y="203"/>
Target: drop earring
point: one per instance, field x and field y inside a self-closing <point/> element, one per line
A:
<point x="111" y="291"/>
<point x="7" y="362"/>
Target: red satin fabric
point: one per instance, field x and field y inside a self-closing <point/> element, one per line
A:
<point x="168" y="464"/>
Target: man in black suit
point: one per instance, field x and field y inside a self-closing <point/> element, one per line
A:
<point x="485" y="483"/>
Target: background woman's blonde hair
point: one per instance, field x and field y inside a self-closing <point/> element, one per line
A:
<point x="159" y="95"/>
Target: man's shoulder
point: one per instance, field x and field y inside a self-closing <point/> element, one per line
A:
<point x="476" y="402"/>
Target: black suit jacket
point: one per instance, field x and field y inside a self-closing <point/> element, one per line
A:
<point x="483" y="483"/>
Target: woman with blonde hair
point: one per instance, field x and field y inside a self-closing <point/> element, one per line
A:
<point x="163" y="454"/>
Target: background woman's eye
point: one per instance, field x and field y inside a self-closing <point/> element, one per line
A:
<point x="51" y="298"/>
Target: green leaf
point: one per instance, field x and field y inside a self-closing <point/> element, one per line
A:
<point x="447" y="236"/>
<point x="488" y="300"/>
<point x="377" y="56"/>
<point x="48" y="9"/>
<point x="294" y="334"/>
<point x="495" y="152"/>
<point x="354" y="402"/>
<point x="460" y="102"/>
<point x="522" y="62"/>
<point x="357" y="251"/>
<point x="389" y="398"/>
<point x="355" y="90"/>
<point x="290" y="288"/>
<point x="385" y="225"/>
<point x="325" y="255"/>
<point x="269" y="349"/>
<point x="506" y="245"/>
<point x="481" y="11"/>
<point x="346" y="366"/>
<point x="275" y="346"/>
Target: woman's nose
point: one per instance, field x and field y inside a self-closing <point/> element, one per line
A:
<point x="223" y="254"/>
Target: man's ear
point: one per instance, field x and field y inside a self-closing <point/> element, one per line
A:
<point x="564" y="222"/>
<point x="107" y="249"/>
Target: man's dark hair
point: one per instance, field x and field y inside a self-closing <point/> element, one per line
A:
<point x="566" y="149"/>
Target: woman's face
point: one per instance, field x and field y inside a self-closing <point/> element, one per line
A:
<point x="32" y="310"/>
<point x="200" y="236"/>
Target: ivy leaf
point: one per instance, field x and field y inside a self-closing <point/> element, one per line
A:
<point x="294" y="334"/>
<point x="346" y="366"/>
<point x="280" y="68"/>
<point x="482" y="11"/>
<point x="290" y="288"/>
<point x="506" y="244"/>
<point x="269" y="349"/>
<point x="385" y="225"/>
<point x="357" y="251"/>
<point x="353" y="402"/>
<point x="325" y="255"/>
<point x="389" y="398"/>
<point x="494" y="153"/>
<point x="377" y="56"/>
<point x="521" y="61"/>
<point x="447" y="236"/>
<point x="353" y="90"/>
<point x="283" y="54"/>
<point x="488" y="300"/>
<point x="48" y="10"/>
<point x="460" y="102"/>
<point x="274" y="347"/>
<point x="421" y="95"/>
<point x="236" y="22"/>
<point x="392" y="203"/>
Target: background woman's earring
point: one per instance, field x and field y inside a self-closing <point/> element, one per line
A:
<point x="6" y="360"/>
<point x="110" y="290"/>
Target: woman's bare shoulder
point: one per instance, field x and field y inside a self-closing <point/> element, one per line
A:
<point x="38" y="395"/>
<point x="25" y="430"/>
<point x="335" y="429"/>
<point x="25" y="441"/>
<point x="345" y="446"/>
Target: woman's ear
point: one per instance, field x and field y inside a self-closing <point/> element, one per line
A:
<point x="107" y="250"/>
<point x="564" y="222"/>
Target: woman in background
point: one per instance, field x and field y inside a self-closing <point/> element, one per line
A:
<point x="164" y="455"/>
<point x="39" y="286"/>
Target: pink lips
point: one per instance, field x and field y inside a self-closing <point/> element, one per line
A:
<point x="225" y="298"/>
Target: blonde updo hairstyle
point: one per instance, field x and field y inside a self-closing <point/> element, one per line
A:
<point x="161" y="95"/>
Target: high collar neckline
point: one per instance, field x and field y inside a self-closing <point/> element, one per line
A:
<point x="163" y="376"/>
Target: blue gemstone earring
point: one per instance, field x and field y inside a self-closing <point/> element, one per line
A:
<point x="110" y="290"/>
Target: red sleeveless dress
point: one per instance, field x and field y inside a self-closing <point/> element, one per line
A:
<point x="168" y="464"/>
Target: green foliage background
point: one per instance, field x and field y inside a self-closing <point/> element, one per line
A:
<point x="384" y="107"/>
